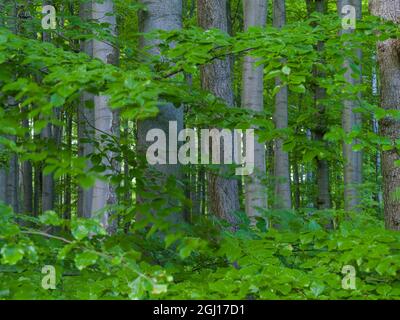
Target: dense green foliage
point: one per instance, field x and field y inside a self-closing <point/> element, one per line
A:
<point x="299" y="261"/>
<point x="299" y="254"/>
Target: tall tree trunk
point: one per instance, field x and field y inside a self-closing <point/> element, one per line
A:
<point x="323" y="192"/>
<point x="27" y="177"/>
<point x="216" y="77"/>
<point x="37" y="183"/>
<point x="358" y="116"/>
<point x="161" y="15"/>
<point x="389" y="64"/>
<point x="281" y="160"/>
<point x="47" y="135"/>
<point x="106" y="121"/>
<point x="85" y="123"/>
<point x="352" y="159"/>
<point x="375" y="129"/>
<point x="255" y="14"/>
<point x="9" y="175"/>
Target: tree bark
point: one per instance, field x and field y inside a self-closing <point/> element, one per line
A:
<point x="255" y="14"/>
<point x="323" y="192"/>
<point x="216" y="77"/>
<point x="47" y="180"/>
<point x="389" y="64"/>
<point x="283" y="195"/>
<point x="27" y="177"/>
<point x="350" y="120"/>
<point x="9" y="175"/>
<point x="3" y="173"/>
<point x="159" y="15"/>
<point x="85" y="123"/>
<point x="68" y="181"/>
<point x="47" y="135"/>
<point x="106" y="121"/>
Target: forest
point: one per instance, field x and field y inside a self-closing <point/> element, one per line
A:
<point x="199" y="149"/>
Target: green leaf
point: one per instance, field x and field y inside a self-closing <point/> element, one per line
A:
<point x="79" y="231"/>
<point x="171" y="238"/>
<point x="298" y="89"/>
<point x="11" y="254"/>
<point x="286" y="70"/>
<point x="159" y="288"/>
<point x="50" y="218"/>
<point x="85" y="259"/>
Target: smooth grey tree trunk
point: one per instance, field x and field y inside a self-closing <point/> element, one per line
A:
<point x="323" y="191"/>
<point x="106" y="121"/>
<point x="216" y="77"/>
<point x="283" y="196"/>
<point x="255" y="14"/>
<point x="95" y="118"/>
<point x="388" y="55"/>
<point x="350" y="120"/>
<point x="159" y="15"/>
<point x="86" y="123"/>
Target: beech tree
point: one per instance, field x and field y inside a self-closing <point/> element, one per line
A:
<point x="103" y="189"/>
<point x="255" y="15"/>
<point x="216" y="77"/>
<point x="351" y="120"/>
<point x="102" y="122"/>
<point x="159" y="15"/>
<point x="281" y="158"/>
<point x="388" y="53"/>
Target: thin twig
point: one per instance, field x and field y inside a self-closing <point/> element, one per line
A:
<point x="47" y="235"/>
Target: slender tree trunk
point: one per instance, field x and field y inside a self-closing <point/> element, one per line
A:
<point x="85" y="124"/>
<point x="105" y="120"/>
<point x="47" y="135"/>
<point x="389" y="64"/>
<point x="161" y="15"/>
<point x="9" y="175"/>
<point x="296" y="178"/>
<point x="3" y="182"/>
<point x="358" y="116"/>
<point x="37" y="190"/>
<point x="3" y="171"/>
<point x="216" y="77"/>
<point x="202" y="190"/>
<point x="375" y="129"/>
<point x="47" y="180"/>
<point x="127" y="178"/>
<point x="323" y="192"/>
<point x="350" y="119"/>
<point x="281" y="167"/>
<point x="68" y="187"/>
<point x="255" y="14"/>
<point x="27" y="175"/>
